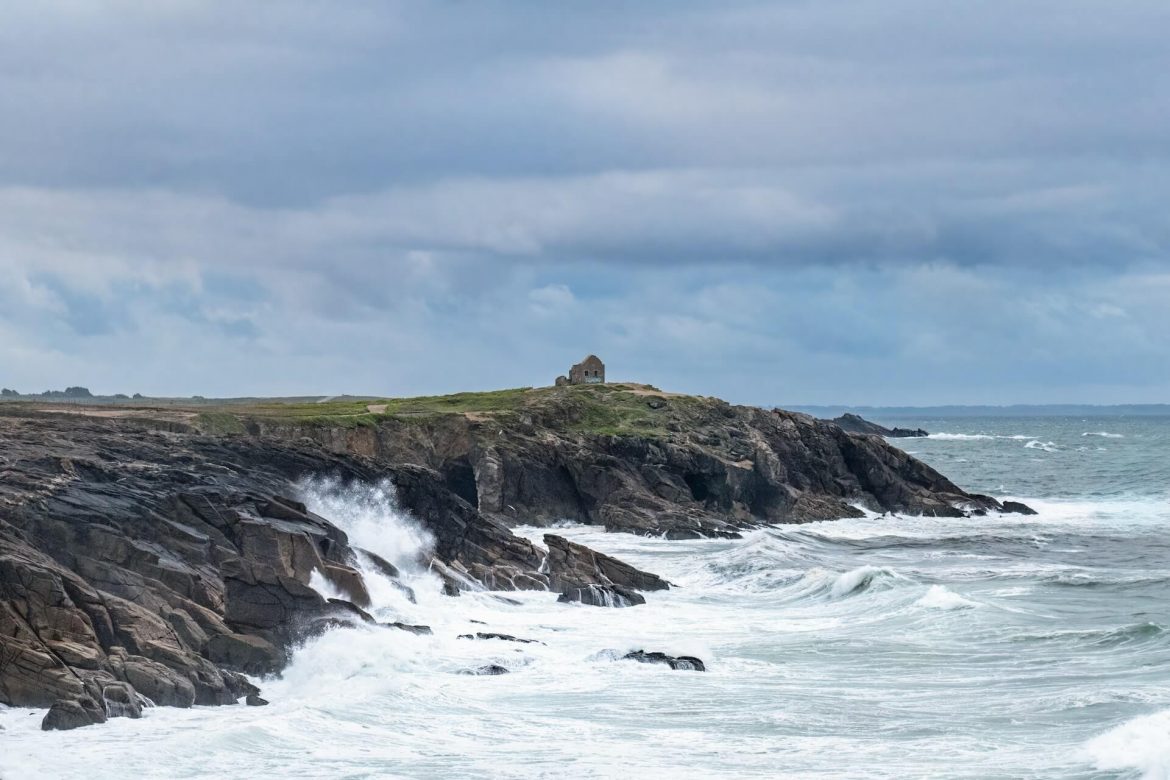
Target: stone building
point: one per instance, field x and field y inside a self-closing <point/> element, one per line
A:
<point x="590" y="371"/>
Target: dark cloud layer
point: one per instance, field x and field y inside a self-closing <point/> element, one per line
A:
<point x="857" y="201"/>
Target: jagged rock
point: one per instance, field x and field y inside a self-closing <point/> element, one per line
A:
<point x="253" y="700"/>
<point x="682" y="662"/>
<point x="421" y="630"/>
<point x="602" y="596"/>
<point x="69" y="714"/>
<point x="1017" y="508"/>
<point x="502" y="637"/>
<point x="584" y="575"/>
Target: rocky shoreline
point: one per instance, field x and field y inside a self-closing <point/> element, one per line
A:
<point x="144" y="561"/>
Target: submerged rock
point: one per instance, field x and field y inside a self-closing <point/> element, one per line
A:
<point x="254" y="700"/>
<point x="502" y="637"/>
<point x="680" y="663"/>
<point x="487" y="670"/>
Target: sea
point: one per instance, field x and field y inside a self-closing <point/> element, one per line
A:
<point x="886" y="646"/>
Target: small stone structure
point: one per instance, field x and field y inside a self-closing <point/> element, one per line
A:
<point x="590" y="371"/>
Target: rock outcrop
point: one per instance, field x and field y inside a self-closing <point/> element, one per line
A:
<point x="139" y="563"/>
<point x="584" y="575"/>
<point x="856" y="424"/>
<point x="679" y="663"/>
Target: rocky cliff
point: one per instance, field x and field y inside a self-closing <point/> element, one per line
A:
<point x="162" y="554"/>
<point x="142" y="560"/>
<point x="632" y="458"/>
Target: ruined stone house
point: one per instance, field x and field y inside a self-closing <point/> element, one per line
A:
<point x="590" y="371"/>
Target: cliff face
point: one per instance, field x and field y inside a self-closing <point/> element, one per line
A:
<point x="165" y="563"/>
<point x="634" y="459"/>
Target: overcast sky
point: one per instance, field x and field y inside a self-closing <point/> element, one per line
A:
<point x="826" y="201"/>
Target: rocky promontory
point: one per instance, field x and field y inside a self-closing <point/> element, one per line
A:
<point x="159" y="555"/>
<point x="854" y="423"/>
<point x="632" y="458"/>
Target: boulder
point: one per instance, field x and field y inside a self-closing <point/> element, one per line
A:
<point x="1017" y="508"/>
<point x="72" y="714"/>
<point x="254" y="700"/>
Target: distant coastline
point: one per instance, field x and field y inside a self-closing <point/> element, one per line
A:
<point x="1015" y="410"/>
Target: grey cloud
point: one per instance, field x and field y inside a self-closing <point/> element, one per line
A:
<point x="761" y="199"/>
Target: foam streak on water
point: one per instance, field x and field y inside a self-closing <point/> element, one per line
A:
<point x="879" y="647"/>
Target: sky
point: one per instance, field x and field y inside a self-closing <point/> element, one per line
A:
<point x="806" y="202"/>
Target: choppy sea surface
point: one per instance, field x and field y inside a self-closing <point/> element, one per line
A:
<point x="882" y="647"/>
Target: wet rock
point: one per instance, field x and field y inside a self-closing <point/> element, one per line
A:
<point x="253" y="700"/>
<point x="602" y="596"/>
<point x="681" y="663"/>
<point x="487" y="670"/>
<point x="502" y="637"/>
<point x="1017" y="508"/>
<point x="121" y="701"/>
<point x="72" y="714"/>
<point x="589" y="577"/>
<point x="246" y="653"/>
<point x="421" y="630"/>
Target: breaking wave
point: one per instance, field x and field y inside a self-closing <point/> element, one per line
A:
<point x="1141" y="745"/>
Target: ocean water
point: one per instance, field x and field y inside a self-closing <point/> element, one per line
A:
<point x="881" y="647"/>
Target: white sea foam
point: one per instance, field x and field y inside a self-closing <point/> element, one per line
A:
<point x="326" y="589"/>
<point x="1046" y="446"/>
<point x="940" y="597"/>
<point x="1141" y="744"/>
<point x="960" y="436"/>
<point x="943" y="436"/>
<point x="1104" y="434"/>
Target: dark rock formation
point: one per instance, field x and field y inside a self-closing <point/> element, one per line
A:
<point x="682" y="662"/>
<point x="1017" y="508"/>
<point x="136" y="561"/>
<point x="584" y="575"/>
<point x="856" y="424"/>
<point x="684" y="467"/>
<point x="253" y="700"/>
<point x="419" y="630"/>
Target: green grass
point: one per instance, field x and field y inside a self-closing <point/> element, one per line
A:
<point x="611" y="409"/>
